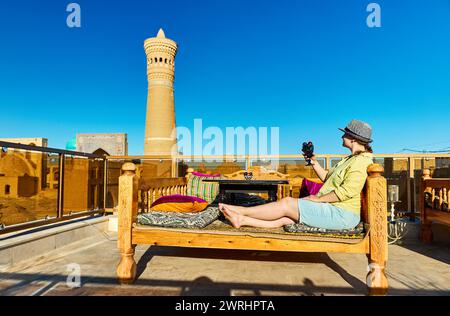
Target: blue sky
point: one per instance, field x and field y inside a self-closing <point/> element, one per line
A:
<point x="307" y="67"/>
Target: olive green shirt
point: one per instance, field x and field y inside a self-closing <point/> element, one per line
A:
<point x="347" y="179"/>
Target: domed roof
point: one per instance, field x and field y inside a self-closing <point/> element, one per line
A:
<point x="14" y="164"/>
<point x="71" y="144"/>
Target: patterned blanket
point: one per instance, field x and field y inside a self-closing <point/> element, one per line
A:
<point x="180" y="220"/>
<point x="211" y="214"/>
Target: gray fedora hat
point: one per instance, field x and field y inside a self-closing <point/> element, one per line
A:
<point x="359" y="130"/>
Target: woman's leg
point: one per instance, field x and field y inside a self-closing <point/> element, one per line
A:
<point x="286" y="207"/>
<point x="238" y="220"/>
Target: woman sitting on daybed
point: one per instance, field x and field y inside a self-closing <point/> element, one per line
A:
<point x="338" y="203"/>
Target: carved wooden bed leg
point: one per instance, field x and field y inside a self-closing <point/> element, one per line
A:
<point x="377" y="282"/>
<point x="128" y="204"/>
<point x="126" y="270"/>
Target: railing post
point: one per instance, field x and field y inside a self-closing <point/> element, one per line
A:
<point x="328" y="162"/>
<point x="411" y="206"/>
<point x="105" y="181"/>
<point x="174" y="173"/>
<point x="426" y="234"/>
<point x="60" y="204"/>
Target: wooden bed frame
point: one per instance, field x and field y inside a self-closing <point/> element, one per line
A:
<point x="374" y="244"/>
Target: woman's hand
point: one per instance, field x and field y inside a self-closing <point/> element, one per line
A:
<point x="321" y="172"/>
<point x="313" y="159"/>
<point x="330" y="197"/>
<point x="312" y="198"/>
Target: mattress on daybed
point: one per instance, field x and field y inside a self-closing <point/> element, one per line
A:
<point x="210" y="222"/>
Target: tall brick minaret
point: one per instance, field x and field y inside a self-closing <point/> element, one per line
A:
<point x="160" y="127"/>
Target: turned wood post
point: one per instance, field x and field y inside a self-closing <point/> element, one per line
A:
<point x="128" y="206"/>
<point x="376" y="190"/>
<point x="189" y="171"/>
<point x="426" y="234"/>
<point x="448" y="200"/>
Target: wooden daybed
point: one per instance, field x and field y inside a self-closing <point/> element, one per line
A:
<point x="130" y="234"/>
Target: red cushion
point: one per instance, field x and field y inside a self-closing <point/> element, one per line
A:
<point x="177" y="198"/>
<point x="309" y="188"/>
<point x="179" y="204"/>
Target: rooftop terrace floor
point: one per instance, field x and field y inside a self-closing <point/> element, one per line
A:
<point x="413" y="269"/>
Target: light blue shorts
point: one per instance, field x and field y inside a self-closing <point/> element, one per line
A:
<point x="326" y="215"/>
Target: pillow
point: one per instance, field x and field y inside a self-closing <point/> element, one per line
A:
<point x="179" y="203"/>
<point x="309" y="188"/>
<point x="204" y="190"/>
<point x="180" y="220"/>
<point x="302" y="228"/>
<point x="198" y="174"/>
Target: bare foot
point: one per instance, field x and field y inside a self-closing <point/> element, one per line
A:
<point x="233" y="208"/>
<point x="234" y="218"/>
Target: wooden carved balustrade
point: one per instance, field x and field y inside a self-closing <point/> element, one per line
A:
<point x="434" y="204"/>
<point x="152" y="189"/>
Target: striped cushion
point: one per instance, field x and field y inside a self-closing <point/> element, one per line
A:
<point x="204" y="190"/>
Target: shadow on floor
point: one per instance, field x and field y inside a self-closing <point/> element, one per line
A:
<point x="438" y="249"/>
<point x="358" y="286"/>
<point x="55" y="285"/>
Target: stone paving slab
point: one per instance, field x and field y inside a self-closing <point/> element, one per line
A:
<point x="413" y="269"/>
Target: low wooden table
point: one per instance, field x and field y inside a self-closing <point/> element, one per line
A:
<point x="248" y="186"/>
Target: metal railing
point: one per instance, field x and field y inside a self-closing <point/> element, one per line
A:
<point x="404" y="170"/>
<point x="100" y="174"/>
<point x="42" y="185"/>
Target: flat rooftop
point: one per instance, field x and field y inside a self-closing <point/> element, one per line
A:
<point x="413" y="269"/>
